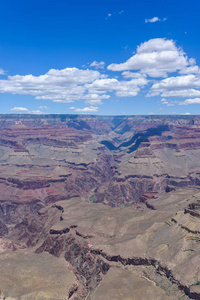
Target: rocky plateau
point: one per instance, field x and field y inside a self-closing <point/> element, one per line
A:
<point x="97" y="207"/>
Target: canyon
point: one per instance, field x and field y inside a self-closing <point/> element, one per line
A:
<point x="99" y="207"/>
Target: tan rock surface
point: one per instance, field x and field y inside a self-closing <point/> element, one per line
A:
<point x="26" y="275"/>
<point x="123" y="284"/>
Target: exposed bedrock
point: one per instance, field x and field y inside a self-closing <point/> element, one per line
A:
<point x="159" y="268"/>
<point x="193" y="209"/>
<point x="110" y="160"/>
<point x="31" y="184"/>
<point x="14" y="212"/>
<point x="35" y="228"/>
<point x="128" y="190"/>
<point x="3" y="229"/>
<point x="94" y="238"/>
<point x="91" y="264"/>
<point x="87" y="265"/>
<point x="57" y="171"/>
<point x="121" y="193"/>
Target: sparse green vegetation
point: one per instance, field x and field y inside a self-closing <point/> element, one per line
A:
<point x="10" y="226"/>
<point x="91" y="199"/>
<point x="197" y="283"/>
<point x="125" y="205"/>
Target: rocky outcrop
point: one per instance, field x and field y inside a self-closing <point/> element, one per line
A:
<point x="55" y="157"/>
<point x="94" y="238"/>
<point x="14" y="212"/>
<point x="87" y="266"/>
<point x="3" y="229"/>
<point x="193" y="209"/>
<point x="6" y="244"/>
<point x="159" y="268"/>
<point x="35" y="228"/>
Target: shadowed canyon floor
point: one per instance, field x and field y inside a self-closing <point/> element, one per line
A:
<point x="99" y="207"/>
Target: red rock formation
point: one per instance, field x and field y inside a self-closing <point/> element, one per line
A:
<point x="45" y="159"/>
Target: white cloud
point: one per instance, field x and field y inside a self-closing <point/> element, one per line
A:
<point x="2" y="72"/>
<point x="176" y="93"/>
<point x="36" y="112"/>
<point x="179" y="86"/>
<point x="121" y="88"/>
<point x="108" y="16"/>
<point x="190" y="70"/>
<point x="167" y="102"/>
<point x="19" y="109"/>
<point x="190" y="101"/>
<point x="85" y="109"/>
<point x="164" y="101"/>
<point x="95" y="99"/>
<point x="97" y="65"/>
<point x="128" y="74"/>
<point x="114" y="13"/>
<point x="94" y="102"/>
<point x="65" y="85"/>
<point x="26" y="110"/>
<point x="153" y="20"/>
<point x="156" y="58"/>
<point x="43" y="107"/>
<point x="71" y="84"/>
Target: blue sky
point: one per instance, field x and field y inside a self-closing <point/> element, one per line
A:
<point x="109" y="57"/>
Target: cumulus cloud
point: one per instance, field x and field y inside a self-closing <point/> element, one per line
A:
<point x="97" y="65"/>
<point x="71" y="84"/>
<point x="19" y="109"/>
<point x="128" y="74"/>
<point x="190" y="101"/>
<point x="179" y="86"/>
<point x="26" y="110"/>
<point x="155" y="58"/>
<point x="85" y="109"/>
<point x="155" y="19"/>
<point x="190" y="70"/>
<point x="121" y="88"/>
<point x="167" y="102"/>
<point x="65" y="85"/>
<point x="164" y="101"/>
